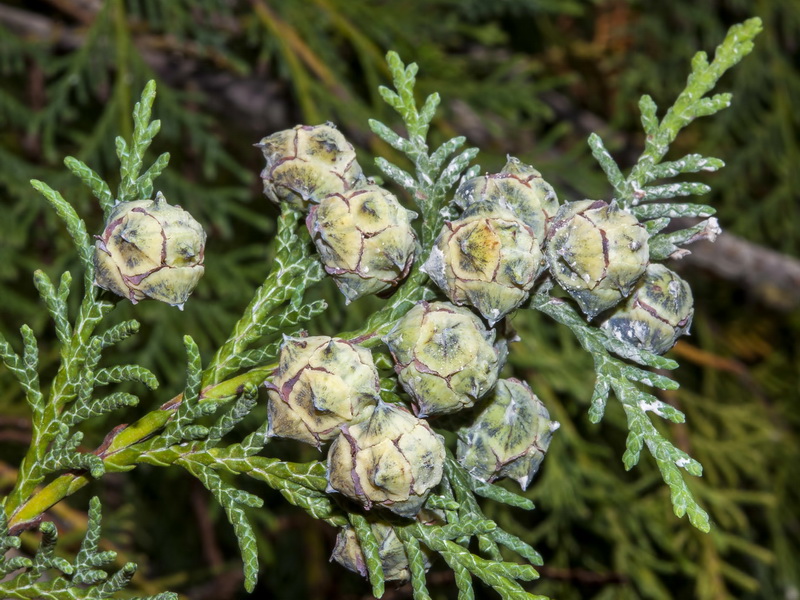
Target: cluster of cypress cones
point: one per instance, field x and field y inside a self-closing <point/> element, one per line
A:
<point x="447" y="354"/>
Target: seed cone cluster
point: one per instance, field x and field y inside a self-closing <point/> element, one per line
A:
<point x="362" y="233"/>
<point x="447" y="359"/>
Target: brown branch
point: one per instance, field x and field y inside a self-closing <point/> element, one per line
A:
<point x="80" y="10"/>
<point x="30" y="25"/>
<point x="771" y="277"/>
<point x="248" y="102"/>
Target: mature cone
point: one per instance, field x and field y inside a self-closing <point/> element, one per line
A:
<point x="364" y="238"/>
<point x="596" y="252"/>
<point x="446" y="358"/>
<point x="307" y="163"/>
<point x="150" y="249"/>
<point x="393" y="459"/>
<point x="321" y="384"/>
<point x="518" y="188"/>
<point x="658" y="311"/>
<point x="488" y="259"/>
<point x="394" y="561"/>
<point x="509" y="437"/>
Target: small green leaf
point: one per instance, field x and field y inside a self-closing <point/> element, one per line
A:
<point x="691" y="163"/>
<point x="390" y="137"/>
<point x="514" y="543"/>
<point x="649" y="110"/>
<point x="369" y="547"/>
<point x="608" y="164"/>
<point x="81" y="410"/>
<point x="673" y="190"/>
<point x="131" y="155"/>
<point x="396" y="174"/>
<point x="93" y="181"/>
<point x="454" y="169"/>
<point x="665" y="245"/>
<point x="599" y="399"/>
<point x="653" y="226"/>
<point x="55" y="302"/>
<point x="429" y="107"/>
<point x="416" y="563"/>
<point x="234" y="414"/>
<point x="670" y="211"/>
<point x="75" y="226"/>
<point x="144" y="184"/>
<point x="121" y="373"/>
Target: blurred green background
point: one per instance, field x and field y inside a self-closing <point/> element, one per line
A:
<point x="530" y="78"/>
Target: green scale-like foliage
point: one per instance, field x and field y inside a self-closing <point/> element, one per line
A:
<point x="83" y="579"/>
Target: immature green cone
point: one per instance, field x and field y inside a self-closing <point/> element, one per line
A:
<point x="150" y="249"/>
<point x="393" y="459"/>
<point x="656" y="314"/>
<point x="596" y="252"/>
<point x="321" y="383"/>
<point x="394" y="561"/>
<point x="446" y="358"/>
<point x="364" y="238"/>
<point x="509" y="436"/>
<point x="307" y="163"/>
<point x="518" y="188"/>
<point x="488" y="259"/>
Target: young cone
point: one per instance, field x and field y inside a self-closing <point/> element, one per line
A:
<point x="393" y="459"/>
<point x="307" y="163"/>
<point x="596" y="252"/>
<point x="445" y="357"/>
<point x="488" y="259"/>
<point x="656" y="314"/>
<point x="149" y="249"/>
<point x="364" y="238"/>
<point x="321" y="383"/>
<point x="518" y="188"/>
<point x="509" y="436"/>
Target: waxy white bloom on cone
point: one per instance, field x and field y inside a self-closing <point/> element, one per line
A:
<point x="656" y="314"/>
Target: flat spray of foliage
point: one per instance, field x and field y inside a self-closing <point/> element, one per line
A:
<point x="191" y="430"/>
